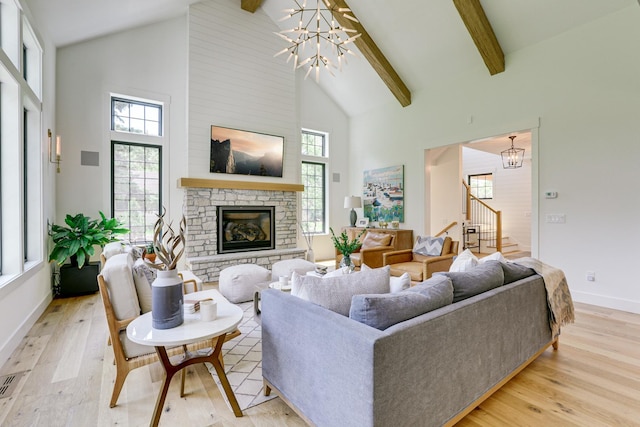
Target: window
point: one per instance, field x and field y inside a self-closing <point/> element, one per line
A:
<point x="314" y="178"/>
<point x="136" y="117"/>
<point x="481" y="185"/>
<point x="136" y="174"/>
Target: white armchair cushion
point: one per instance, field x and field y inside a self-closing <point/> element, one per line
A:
<point x="118" y="275"/>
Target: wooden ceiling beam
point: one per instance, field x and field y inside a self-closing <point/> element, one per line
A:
<point x="250" y="5"/>
<point x="479" y="28"/>
<point x="374" y="55"/>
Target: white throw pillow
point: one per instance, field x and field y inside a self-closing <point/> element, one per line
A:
<point x="496" y="256"/>
<point x="396" y="284"/>
<point x="143" y="277"/>
<point x="335" y="293"/>
<point x="463" y="262"/>
<point x="337" y="272"/>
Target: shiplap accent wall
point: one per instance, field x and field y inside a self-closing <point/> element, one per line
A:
<point x="235" y="82"/>
<point x="511" y="192"/>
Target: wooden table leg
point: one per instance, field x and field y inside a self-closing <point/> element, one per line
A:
<point x="214" y="357"/>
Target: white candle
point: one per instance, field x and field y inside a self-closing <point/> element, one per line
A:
<point x="58" y="148"/>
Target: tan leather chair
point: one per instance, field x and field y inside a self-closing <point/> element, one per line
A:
<point x="374" y="245"/>
<point x="421" y="267"/>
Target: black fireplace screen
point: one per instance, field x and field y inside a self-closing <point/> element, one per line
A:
<point x="245" y="228"/>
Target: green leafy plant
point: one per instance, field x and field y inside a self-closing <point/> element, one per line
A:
<point x="343" y="244"/>
<point x="77" y="239"/>
<point x="149" y="248"/>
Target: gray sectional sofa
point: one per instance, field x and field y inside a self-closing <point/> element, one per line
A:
<point x="428" y="370"/>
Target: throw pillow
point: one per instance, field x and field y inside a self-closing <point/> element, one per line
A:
<point x="514" y="272"/>
<point x="396" y="284"/>
<point x="463" y="262"/>
<point x="429" y="246"/>
<point x="372" y="240"/>
<point x="143" y="277"/>
<point x="476" y="280"/>
<point x="334" y="293"/>
<point x="122" y="290"/>
<point x="496" y="256"/>
<point x="384" y="310"/>
<point x="337" y="272"/>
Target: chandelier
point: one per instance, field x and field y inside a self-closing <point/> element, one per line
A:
<point x="512" y="158"/>
<point x="317" y="38"/>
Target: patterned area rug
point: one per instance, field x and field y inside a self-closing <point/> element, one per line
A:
<point x="243" y="362"/>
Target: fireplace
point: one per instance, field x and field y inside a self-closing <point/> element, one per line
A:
<point x="246" y="228"/>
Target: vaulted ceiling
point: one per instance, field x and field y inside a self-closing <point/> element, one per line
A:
<point x="422" y="41"/>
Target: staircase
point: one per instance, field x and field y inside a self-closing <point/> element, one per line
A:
<point x="482" y="229"/>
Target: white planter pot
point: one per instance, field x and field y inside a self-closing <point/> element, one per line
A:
<point x="167" y="300"/>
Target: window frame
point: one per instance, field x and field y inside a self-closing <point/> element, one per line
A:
<point x="474" y="189"/>
<point x="143" y="103"/>
<point x="324" y="161"/>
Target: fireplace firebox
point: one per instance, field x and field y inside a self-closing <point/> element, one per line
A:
<point x="246" y="228"/>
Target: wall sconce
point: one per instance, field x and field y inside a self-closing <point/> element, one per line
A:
<point x="54" y="152"/>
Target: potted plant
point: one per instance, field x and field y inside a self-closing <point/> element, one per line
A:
<point x="346" y="246"/>
<point x="75" y="241"/>
<point x="166" y="290"/>
<point x="150" y="253"/>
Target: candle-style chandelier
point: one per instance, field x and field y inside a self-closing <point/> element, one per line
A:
<point x="317" y="37"/>
<point x="513" y="157"/>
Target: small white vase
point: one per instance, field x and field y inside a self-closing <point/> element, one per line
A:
<point x="167" y="300"/>
<point x="310" y="255"/>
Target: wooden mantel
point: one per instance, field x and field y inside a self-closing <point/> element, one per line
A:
<point x="237" y="185"/>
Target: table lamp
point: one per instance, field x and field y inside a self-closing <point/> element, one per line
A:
<point x="352" y="202"/>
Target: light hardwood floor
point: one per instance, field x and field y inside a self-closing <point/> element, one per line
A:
<point x="593" y="380"/>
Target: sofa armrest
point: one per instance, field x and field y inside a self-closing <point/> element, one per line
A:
<point x="316" y="357"/>
<point x="373" y="256"/>
<point x="435" y="264"/>
<point x="395" y="257"/>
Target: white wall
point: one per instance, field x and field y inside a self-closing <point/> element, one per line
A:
<point x="511" y="192"/>
<point x="445" y="189"/>
<point x="319" y="112"/>
<point x="24" y="299"/>
<point x="148" y="62"/>
<point x="583" y="87"/>
<point x="235" y="82"/>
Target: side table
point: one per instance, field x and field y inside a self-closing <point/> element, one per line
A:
<point x="192" y="330"/>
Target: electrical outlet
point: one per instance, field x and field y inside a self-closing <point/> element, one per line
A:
<point x="591" y="276"/>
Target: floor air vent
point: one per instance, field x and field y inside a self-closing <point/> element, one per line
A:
<point x="8" y="384"/>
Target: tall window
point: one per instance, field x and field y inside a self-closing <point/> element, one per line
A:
<point x="136" y="173"/>
<point x="314" y="178"/>
<point x="481" y="185"/>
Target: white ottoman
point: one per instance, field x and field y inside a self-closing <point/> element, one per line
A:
<point x="286" y="267"/>
<point x="238" y="283"/>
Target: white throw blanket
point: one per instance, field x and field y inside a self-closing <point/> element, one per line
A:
<point x="558" y="296"/>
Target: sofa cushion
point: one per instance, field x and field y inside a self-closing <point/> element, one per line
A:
<point x="372" y="240"/>
<point x="118" y="275"/>
<point x="496" y="256"/>
<point x="396" y="284"/>
<point x="463" y="262"/>
<point x="334" y="293"/>
<point x="476" y="280"/>
<point x="383" y="310"/>
<point x="514" y="272"/>
<point x="431" y="246"/>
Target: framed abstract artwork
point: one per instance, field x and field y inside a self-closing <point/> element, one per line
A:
<point x="245" y="153"/>
<point x="383" y="194"/>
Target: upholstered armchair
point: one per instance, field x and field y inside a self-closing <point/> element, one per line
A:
<point x="374" y="246"/>
<point x="421" y="267"/>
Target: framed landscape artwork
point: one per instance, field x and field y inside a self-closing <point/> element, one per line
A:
<point x="383" y="194"/>
<point x="245" y="153"/>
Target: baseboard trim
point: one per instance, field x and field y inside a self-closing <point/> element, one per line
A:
<point x="606" y="301"/>
<point x="12" y="343"/>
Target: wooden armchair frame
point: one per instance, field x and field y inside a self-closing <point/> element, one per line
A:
<point x="125" y="364"/>
<point x="429" y="264"/>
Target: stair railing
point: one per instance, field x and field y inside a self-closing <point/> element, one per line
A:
<point x="478" y="212"/>
<point x="444" y="230"/>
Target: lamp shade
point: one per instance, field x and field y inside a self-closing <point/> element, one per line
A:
<point x="351" y="202"/>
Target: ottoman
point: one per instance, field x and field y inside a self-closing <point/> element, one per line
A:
<point x="286" y="267"/>
<point x="238" y="283"/>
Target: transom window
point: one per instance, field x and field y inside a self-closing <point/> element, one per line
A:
<point x="314" y="178"/>
<point x="481" y="185"/>
<point x="136" y="173"/>
<point x="136" y="117"/>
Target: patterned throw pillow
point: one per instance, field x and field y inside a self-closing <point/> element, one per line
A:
<point x="430" y="246"/>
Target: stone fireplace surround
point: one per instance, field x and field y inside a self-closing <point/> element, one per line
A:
<point x="201" y="199"/>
